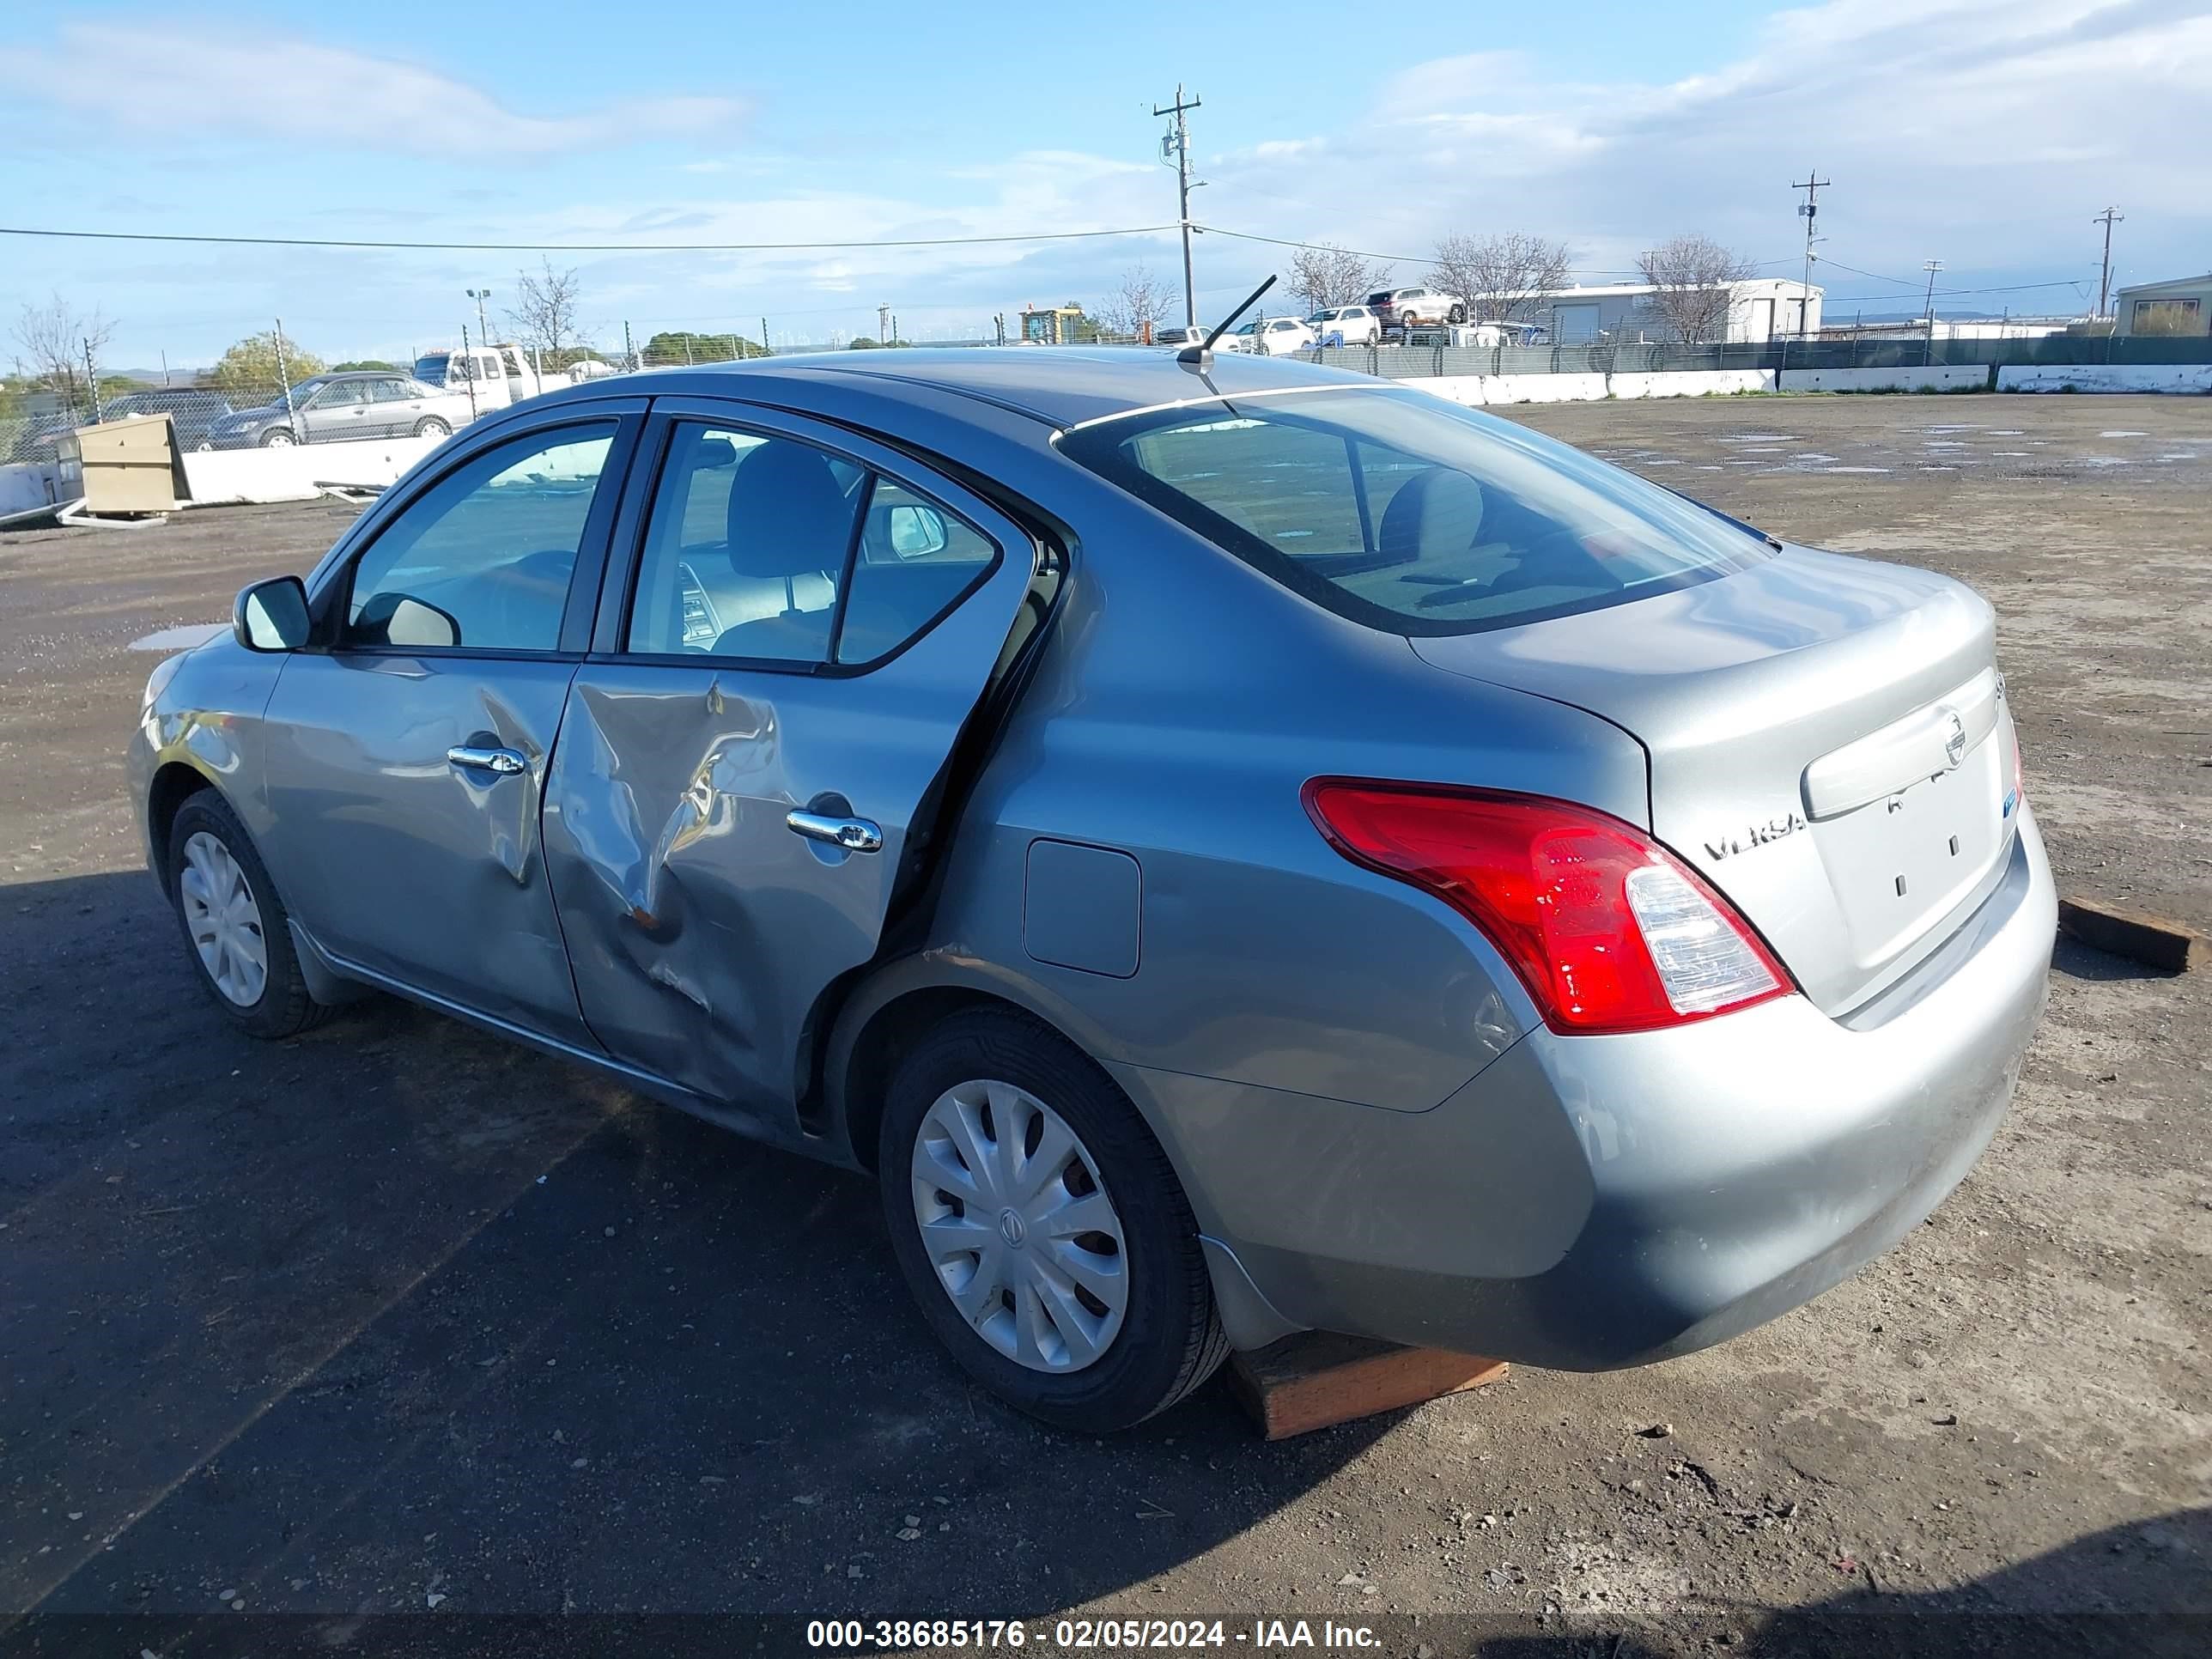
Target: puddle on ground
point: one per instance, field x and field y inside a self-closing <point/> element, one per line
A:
<point x="183" y="637"/>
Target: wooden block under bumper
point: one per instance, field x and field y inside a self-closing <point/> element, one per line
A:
<point x="1317" y="1379"/>
<point x="2136" y="934"/>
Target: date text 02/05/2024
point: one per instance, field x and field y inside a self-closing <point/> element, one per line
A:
<point x="1081" y="1635"/>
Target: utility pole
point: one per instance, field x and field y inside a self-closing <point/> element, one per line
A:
<point x="883" y="324"/>
<point x="1932" y="266"/>
<point x="1809" y="212"/>
<point x="765" y="350"/>
<point x="468" y="357"/>
<point x="480" y="294"/>
<point x="92" y="380"/>
<point x="2108" y="218"/>
<point x="629" y="351"/>
<point x="1177" y="145"/>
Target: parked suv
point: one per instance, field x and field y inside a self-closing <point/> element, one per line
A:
<point x="1414" y="308"/>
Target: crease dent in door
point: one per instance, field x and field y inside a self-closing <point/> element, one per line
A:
<point x="509" y="814"/>
<point x="643" y="913"/>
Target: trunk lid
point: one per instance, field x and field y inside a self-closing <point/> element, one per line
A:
<point x="1828" y="746"/>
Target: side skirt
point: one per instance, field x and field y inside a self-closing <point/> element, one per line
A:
<point x="348" y="980"/>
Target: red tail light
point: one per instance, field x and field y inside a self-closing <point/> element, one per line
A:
<point x="1608" y="931"/>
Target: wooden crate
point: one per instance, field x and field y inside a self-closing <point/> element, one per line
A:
<point x="1313" y="1381"/>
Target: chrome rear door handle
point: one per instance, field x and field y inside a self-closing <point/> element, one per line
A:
<point x="503" y="762"/>
<point x="853" y="835"/>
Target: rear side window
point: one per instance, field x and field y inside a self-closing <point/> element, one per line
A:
<point x="1410" y="513"/>
<point x="769" y="550"/>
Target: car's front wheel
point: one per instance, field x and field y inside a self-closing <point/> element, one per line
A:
<point x="277" y="437"/>
<point x="431" y="426"/>
<point x="1041" y="1227"/>
<point x="1459" y="313"/>
<point x="233" y="922"/>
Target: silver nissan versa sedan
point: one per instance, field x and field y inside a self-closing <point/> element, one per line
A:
<point x="1235" y="847"/>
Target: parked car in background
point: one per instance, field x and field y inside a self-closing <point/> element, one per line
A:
<point x="1231" y="854"/>
<point x="1346" y="326"/>
<point x="589" y="368"/>
<point x="491" y="377"/>
<point x="1414" y="307"/>
<point x="1269" y="336"/>
<point x="331" y="408"/>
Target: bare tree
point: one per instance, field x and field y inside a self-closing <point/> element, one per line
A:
<point x="1325" y="275"/>
<point x="545" y="315"/>
<point x="1136" y="307"/>
<point x="1505" y="277"/>
<point x="1694" y="278"/>
<point x="54" y="339"/>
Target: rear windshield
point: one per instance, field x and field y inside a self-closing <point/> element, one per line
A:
<point x="1409" y="514"/>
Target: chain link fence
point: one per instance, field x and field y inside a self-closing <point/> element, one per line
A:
<point x="443" y="390"/>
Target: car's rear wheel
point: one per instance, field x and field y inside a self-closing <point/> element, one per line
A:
<point x="277" y="437"/>
<point x="431" y="426"/>
<point x="1459" y="313"/>
<point x="1041" y="1227"/>
<point x="233" y="922"/>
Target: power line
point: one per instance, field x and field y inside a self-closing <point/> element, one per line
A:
<point x="572" y="247"/>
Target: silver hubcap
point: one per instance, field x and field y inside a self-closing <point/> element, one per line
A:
<point x="224" y="920"/>
<point x="1018" y="1226"/>
<point x="277" y="440"/>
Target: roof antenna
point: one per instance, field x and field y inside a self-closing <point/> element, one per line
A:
<point x="1200" y="357"/>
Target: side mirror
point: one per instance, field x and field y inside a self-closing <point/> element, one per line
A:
<point x="272" y="616"/>
<point x="916" y="532"/>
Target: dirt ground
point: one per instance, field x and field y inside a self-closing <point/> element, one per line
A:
<point x="393" y="1317"/>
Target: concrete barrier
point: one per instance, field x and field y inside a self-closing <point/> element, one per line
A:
<point x="2105" y="376"/>
<point x="290" y="472"/>
<point x="1476" y="389"/>
<point x="25" y="485"/>
<point x="1936" y="377"/>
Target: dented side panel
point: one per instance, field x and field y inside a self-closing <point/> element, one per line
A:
<point x="701" y="928"/>
<point x="404" y="863"/>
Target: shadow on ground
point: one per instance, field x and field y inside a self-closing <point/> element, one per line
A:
<point x="394" y="1312"/>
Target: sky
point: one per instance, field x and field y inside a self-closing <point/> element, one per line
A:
<point x="1984" y="135"/>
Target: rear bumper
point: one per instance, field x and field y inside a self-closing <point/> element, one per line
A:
<point x="1588" y="1203"/>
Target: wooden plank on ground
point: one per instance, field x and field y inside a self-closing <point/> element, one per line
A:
<point x="2137" y="934"/>
<point x="1315" y="1379"/>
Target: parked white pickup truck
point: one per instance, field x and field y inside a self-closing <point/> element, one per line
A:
<point x="495" y="375"/>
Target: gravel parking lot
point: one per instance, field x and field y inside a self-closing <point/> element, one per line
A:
<point x="395" y="1318"/>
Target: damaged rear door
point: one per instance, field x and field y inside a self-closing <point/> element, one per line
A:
<point x="780" y="671"/>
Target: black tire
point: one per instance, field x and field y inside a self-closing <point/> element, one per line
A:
<point x="1458" y="314"/>
<point x="276" y="437"/>
<point x="1170" y="1340"/>
<point x="431" y="424"/>
<point x="283" y="1008"/>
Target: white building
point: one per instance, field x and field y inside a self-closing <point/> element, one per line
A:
<point x="2180" y="306"/>
<point x="1627" y="313"/>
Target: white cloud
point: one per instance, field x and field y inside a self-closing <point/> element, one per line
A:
<point x="1984" y="132"/>
<point x="314" y="96"/>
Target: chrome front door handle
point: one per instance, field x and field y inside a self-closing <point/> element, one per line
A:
<point x="505" y="763"/>
<point x="853" y="835"/>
